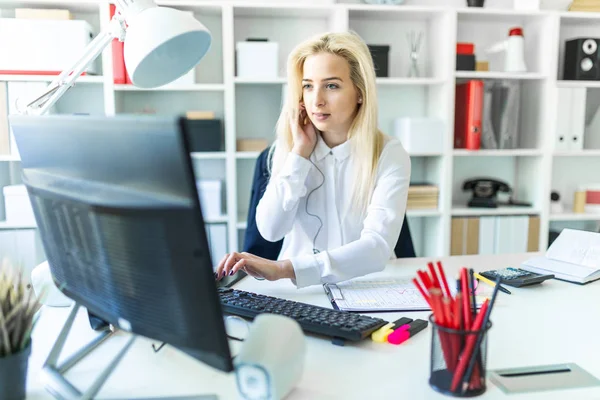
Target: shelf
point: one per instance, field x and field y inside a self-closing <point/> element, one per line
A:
<point x="579" y="16"/>
<point x="498" y="153"/>
<point x="409" y="213"/>
<point x="282" y="10"/>
<point x="259" y="81"/>
<point x="577" y="84"/>
<point x="380" y="81"/>
<point x="198" y="87"/>
<point x="207" y="8"/>
<point x="11" y="225"/>
<point x="247" y="155"/>
<point x="393" y="12"/>
<point x="498" y="75"/>
<point x="423" y="213"/>
<point x="431" y="95"/>
<point x="426" y="154"/>
<point x="410" y="81"/>
<point x="571" y="216"/>
<point x="506" y="15"/>
<point x="580" y="153"/>
<point x="209" y="155"/>
<point x="49" y="78"/>
<point x="464" y="211"/>
<point x="9" y="158"/>
<point x="219" y="220"/>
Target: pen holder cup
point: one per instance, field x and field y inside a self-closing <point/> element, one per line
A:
<point x="451" y="354"/>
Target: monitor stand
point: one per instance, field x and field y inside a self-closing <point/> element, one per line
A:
<point x="53" y="373"/>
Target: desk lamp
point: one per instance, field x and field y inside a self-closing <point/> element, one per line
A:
<point x="161" y="45"/>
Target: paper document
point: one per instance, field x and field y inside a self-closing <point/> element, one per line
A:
<point x="383" y="295"/>
<point x="396" y="294"/>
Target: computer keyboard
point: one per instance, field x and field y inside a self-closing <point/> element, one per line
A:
<point x="313" y="319"/>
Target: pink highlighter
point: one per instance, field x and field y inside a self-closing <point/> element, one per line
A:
<point x="405" y="332"/>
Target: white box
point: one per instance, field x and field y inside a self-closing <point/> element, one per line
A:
<point x="210" y="192"/>
<point x="257" y="59"/>
<point x="43" y="46"/>
<point x="17" y="205"/>
<point x="420" y="135"/>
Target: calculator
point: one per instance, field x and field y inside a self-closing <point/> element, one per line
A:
<point x="516" y="277"/>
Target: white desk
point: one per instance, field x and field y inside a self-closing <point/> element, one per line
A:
<point x="556" y="322"/>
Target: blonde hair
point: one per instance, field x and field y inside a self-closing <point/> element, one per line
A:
<point x="366" y="140"/>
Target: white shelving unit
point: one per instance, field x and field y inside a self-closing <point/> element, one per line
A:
<point x="249" y="108"/>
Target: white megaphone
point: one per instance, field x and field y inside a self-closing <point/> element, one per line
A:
<point x="514" y="48"/>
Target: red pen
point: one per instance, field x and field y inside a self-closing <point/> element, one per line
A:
<point x="401" y="335"/>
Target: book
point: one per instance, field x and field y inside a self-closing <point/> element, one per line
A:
<point x="574" y="256"/>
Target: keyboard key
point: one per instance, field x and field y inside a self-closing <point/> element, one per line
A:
<point x="313" y="319"/>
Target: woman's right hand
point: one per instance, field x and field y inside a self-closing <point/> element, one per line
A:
<point x="304" y="133"/>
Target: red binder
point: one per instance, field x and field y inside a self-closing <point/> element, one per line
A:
<point x="468" y="107"/>
<point x="117" y="54"/>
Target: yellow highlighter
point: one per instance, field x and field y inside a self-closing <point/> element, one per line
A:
<point x="491" y="283"/>
<point x="381" y="334"/>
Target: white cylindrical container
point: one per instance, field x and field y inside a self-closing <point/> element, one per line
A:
<point x="515" y="52"/>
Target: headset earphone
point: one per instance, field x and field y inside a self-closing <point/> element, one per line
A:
<point x="315" y="250"/>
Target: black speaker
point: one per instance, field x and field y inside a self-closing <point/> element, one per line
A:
<point x="582" y="59"/>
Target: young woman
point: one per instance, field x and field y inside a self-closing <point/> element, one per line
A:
<point x="338" y="187"/>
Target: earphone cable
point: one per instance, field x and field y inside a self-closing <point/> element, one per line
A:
<point x="314" y="215"/>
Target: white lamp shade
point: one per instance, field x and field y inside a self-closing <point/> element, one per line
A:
<point x="162" y="44"/>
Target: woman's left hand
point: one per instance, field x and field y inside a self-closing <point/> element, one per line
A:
<point x="255" y="266"/>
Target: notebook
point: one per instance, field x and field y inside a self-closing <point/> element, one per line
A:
<point x="574" y="256"/>
<point x="395" y="294"/>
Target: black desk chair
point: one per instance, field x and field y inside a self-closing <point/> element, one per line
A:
<point x="254" y="243"/>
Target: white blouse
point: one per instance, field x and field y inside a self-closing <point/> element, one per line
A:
<point x="347" y="245"/>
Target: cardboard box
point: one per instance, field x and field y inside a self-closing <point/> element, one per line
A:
<point x="200" y="115"/>
<point x="251" y="144"/>
<point x="482" y="66"/>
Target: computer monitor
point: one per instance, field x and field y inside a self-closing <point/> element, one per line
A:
<point x="119" y="216"/>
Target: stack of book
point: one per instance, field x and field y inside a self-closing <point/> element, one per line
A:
<point x="422" y="196"/>
<point x="585" y="5"/>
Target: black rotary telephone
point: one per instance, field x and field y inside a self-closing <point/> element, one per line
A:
<point x="485" y="191"/>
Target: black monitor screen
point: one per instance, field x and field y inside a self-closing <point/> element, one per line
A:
<point x="118" y="212"/>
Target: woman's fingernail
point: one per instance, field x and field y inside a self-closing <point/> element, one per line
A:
<point x="230" y="272"/>
<point x="216" y="274"/>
